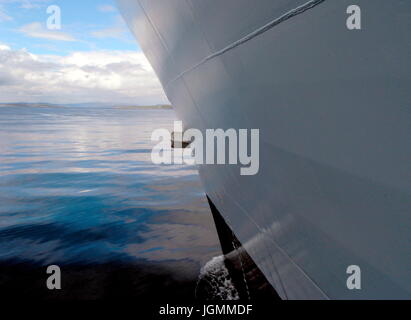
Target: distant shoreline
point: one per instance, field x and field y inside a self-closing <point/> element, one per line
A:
<point x="32" y="105"/>
<point x="155" y="107"/>
<point x="85" y="105"/>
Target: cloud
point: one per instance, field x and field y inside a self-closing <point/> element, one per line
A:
<point x="4" y="47"/>
<point x="95" y="76"/>
<point x="27" y="4"/>
<point x="107" y="8"/>
<point x="24" y="4"/>
<point x="118" y="30"/>
<point x="3" y="15"/>
<point x="36" y="30"/>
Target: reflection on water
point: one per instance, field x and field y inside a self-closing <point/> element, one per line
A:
<point x="78" y="189"/>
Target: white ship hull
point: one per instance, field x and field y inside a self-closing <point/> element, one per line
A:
<point x="333" y="109"/>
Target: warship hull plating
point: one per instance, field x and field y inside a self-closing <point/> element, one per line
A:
<point x="333" y="109"/>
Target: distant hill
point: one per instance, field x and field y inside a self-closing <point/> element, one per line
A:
<point x="159" y="106"/>
<point x="32" y="105"/>
<point x="85" y="105"/>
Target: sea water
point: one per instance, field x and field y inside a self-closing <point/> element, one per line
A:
<point x="78" y="190"/>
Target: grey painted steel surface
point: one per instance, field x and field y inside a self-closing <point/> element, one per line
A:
<point x="333" y="109"/>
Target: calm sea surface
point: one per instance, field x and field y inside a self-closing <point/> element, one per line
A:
<point x="78" y="190"/>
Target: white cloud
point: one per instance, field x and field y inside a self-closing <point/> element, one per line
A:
<point x="27" y="4"/>
<point x="112" y="32"/>
<point x="3" y="15"/>
<point x="118" y="30"/>
<point x="4" y="47"/>
<point x="36" y="30"/>
<point x="97" y="76"/>
<point x="107" y="8"/>
<point x="30" y="4"/>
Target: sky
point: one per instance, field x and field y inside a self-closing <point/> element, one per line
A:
<point x="92" y="58"/>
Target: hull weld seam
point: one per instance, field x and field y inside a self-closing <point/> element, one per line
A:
<point x="288" y="15"/>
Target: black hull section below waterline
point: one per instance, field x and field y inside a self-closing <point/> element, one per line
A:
<point x="248" y="279"/>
